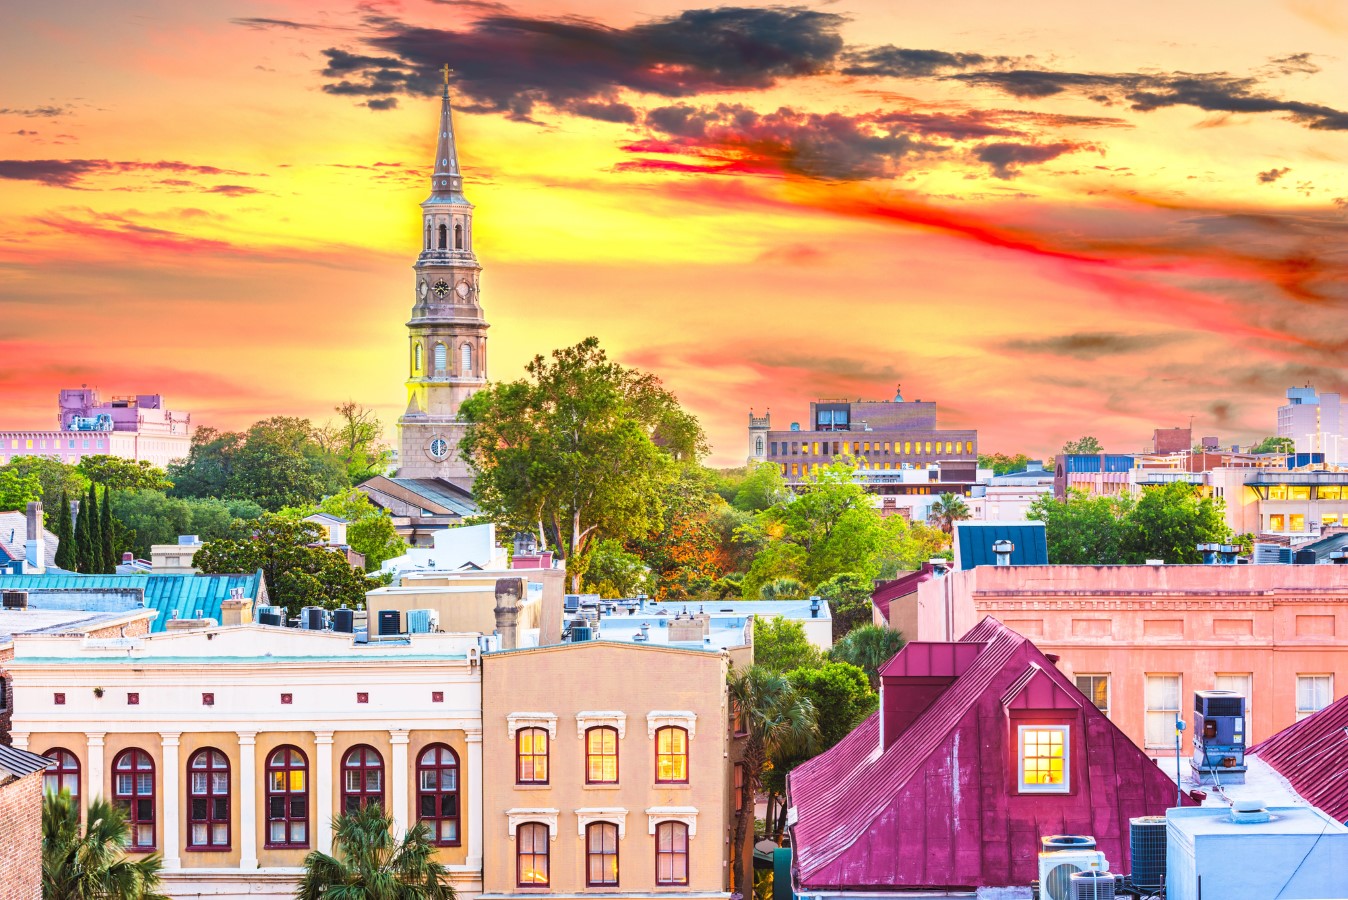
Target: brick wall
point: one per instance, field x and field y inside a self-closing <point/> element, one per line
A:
<point x="21" y="838"/>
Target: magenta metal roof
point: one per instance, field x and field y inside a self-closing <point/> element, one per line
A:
<point x="1313" y="756"/>
<point x="902" y="586"/>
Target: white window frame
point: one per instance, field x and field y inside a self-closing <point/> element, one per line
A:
<point x="539" y="815"/>
<point x="595" y="718"/>
<point x="1248" y="694"/>
<point x="660" y="718"/>
<point x="615" y="815"/>
<point x="1034" y="788"/>
<point x="1109" y="689"/>
<point x="545" y="720"/>
<point x="685" y="814"/>
<point x="1303" y="713"/>
<point x="1175" y="714"/>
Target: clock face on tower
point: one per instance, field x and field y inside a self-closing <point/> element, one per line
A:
<point x="438" y="448"/>
<point x="422" y="288"/>
<point x="441" y="288"/>
<point x="462" y="289"/>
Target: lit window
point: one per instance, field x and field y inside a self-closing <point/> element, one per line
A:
<point x="438" y="794"/>
<point x="1275" y="522"/>
<point x="739" y="786"/>
<point x="531" y="750"/>
<point x="1314" y="693"/>
<point x="208" y="800"/>
<point x="531" y="855"/>
<point x="601" y="854"/>
<point x="1299" y="492"/>
<point x="64" y="776"/>
<point x="1277" y="492"/>
<point x="928" y="446"/>
<point x="1334" y="492"/>
<point x="907" y="446"/>
<point x="601" y="755"/>
<point x="1043" y="759"/>
<point x="969" y="447"/>
<point x="671" y="755"/>
<point x="1163" y="708"/>
<point x="133" y="791"/>
<point x="1096" y="687"/>
<point x="1296" y="522"/>
<point x="949" y="447"/>
<point x="362" y="778"/>
<point x="287" y="798"/>
<point x="671" y="853"/>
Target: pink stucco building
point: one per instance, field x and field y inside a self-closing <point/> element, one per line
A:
<point x="136" y="427"/>
<point x="1139" y="640"/>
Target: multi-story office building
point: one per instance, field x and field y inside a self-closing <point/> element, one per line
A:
<point x="1314" y="423"/>
<point x="134" y="427"/>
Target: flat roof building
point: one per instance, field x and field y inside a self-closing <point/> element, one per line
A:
<point x="135" y="427"/>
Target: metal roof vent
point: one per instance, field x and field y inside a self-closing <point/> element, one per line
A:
<point x="1002" y="550"/>
<point x="1249" y="812"/>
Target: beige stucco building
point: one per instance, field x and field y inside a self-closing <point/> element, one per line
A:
<point x="608" y="770"/>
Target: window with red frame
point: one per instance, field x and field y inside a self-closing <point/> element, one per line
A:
<point x="531" y="855"/>
<point x="671" y="853"/>
<point x="362" y="778"/>
<point x="438" y="794"/>
<point x="601" y="755"/>
<point x="65" y="775"/>
<point x="133" y="791"/>
<point x="287" y="798"/>
<point x="208" y="800"/>
<point x="738" y="725"/>
<point x="531" y="752"/>
<point x="671" y="755"/>
<point x="739" y="786"/>
<point x="601" y="854"/>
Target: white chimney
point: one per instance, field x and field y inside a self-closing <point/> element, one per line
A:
<point x="35" y="548"/>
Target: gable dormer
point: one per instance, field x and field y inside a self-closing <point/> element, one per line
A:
<point x="915" y="677"/>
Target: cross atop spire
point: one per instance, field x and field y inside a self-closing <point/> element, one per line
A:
<point x="446" y="182"/>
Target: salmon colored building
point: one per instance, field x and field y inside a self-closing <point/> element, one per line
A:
<point x="1139" y="640"/>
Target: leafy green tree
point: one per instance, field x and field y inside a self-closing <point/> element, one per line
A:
<point x="615" y="573"/>
<point x="357" y="441"/>
<point x="1082" y="530"/>
<point x="1087" y="445"/>
<point x="868" y="647"/>
<point x="780" y="645"/>
<point x="278" y="462"/>
<point x="687" y="548"/>
<point x="65" y="536"/>
<point x="123" y="474"/>
<point x="369" y="530"/>
<point x="948" y="509"/>
<point x="209" y="465"/>
<point x="53" y="475"/>
<point x="369" y="863"/>
<point x="18" y="490"/>
<point x="108" y="546"/>
<point x="297" y="574"/>
<point x="1002" y="463"/>
<point x="577" y="451"/>
<point x="1169" y="522"/>
<point x="1272" y="444"/>
<point x="763" y="488"/>
<point x="92" y="865"/>
<point x="152" y="517"/>
<point x="849" y="601"/>
<point x="783" y="589"/>
<point x="780" y="721"/>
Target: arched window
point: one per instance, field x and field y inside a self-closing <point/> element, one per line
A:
<point x="287" y="798"/>
<point x="601" y="854"/>
<point x="531" y="855"/>
<point x="133" y="791"/>
<point x="438" y="794"/>
<point x="466" y="358"/>
<point x="208" y="800"/>
<point x="444" y="237"/>
<point x="671" y="853"/>
<point x="671" y="755"/>
<point x="64" y="776"/>
<point x="428" y="234"/>
<point x="458" y="237"/>
<point x="362" y="778"/>
<point x="758" y="445"/>
<point x="601" y="755"/>
<point x="531" y="753"/>
<point x="416" y="357"/>
<point x="441" y="359"/>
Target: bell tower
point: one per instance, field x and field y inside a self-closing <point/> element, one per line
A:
<point x="447" y="334"/>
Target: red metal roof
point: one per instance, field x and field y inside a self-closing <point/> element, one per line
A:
<point x="939" y="807"/>
<point x="890" y="591"/>
<point x="1313" y="756"/>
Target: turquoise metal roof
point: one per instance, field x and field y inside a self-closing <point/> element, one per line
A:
<point x="974" y="540"/>
<point x="174" y="596"/>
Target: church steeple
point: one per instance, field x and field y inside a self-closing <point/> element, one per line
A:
<point x="446" y="182"/>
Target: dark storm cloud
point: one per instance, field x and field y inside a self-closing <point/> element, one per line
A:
<point x="1212" y="92"/>
<point x="899" y="62"/>
<point x="1295" y="64"/>
<point x="258" y="22"/>
<point x="1091" y="344"/>
<point x="1006" y="158"/>
<point x="72" y="172"/>
<point x="1271" y="175"/>
<point x="510" y="63"/>
<point x="382" y="103"/>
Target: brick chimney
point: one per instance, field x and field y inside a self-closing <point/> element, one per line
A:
<point x="237" y="610"/>
<point x="35" y="548"/>
<point x="509" y="595"/>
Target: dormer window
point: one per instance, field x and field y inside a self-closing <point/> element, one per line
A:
<point x="1043" y="759"/>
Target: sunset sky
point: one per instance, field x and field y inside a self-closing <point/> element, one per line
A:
<point x="1052" y="218"/>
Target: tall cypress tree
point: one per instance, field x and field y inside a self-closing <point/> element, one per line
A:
<point x="110" y="559"/>
<point x="65" y="536"/>
<point x="86" y="532"/>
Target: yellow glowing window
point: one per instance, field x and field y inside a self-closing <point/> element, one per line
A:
<point x="30" y="443"/>
<point x="601" y="755"/>
<point x="968" y="446"/>
<point x="1297" y="522"/>
<point x="795" y="470"/>
<point x="856" y="448"/>
<point x="814" y="448"/>
<point x="783" y="469"/>
<point x="1329" y="519"/>
<point x="886" y="446"/>
<point x="886" y="465"/>
<point x="1330" y="493"/>
<point x="907" y="446"/>
<point x="1275" y="523"/>
<point x="1277" y="492"/>
<point x="948" y="447"/>
<point x="928" y="446"/>
<point x="1301" y="492"/>
<point x="671" y="755"/>
<point x="1043" y="759"/>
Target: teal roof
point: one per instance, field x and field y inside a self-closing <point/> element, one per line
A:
<point x="174" y="596"/>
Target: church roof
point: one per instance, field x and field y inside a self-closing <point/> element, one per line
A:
<point x="446" y="180"/>
<point x="441" y="493"/>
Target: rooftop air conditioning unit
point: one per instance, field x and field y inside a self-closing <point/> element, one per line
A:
<point x="1146" y="846"/>
<point x="313" y="618"/>
<point x="14" y="599"/>
<point x="422" y="621"/>
<point x="1093" y="885"/>
<point x="1057" y="867"/>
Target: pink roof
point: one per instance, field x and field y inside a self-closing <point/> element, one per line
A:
<point x="902" y="586"/>
<point x="1313" y="756"/>
<point x="940" y="807"/>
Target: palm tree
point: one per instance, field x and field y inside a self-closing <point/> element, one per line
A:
<point x="778" y="719"/>
<point x="371" y="864"/>
<point x="783" y="589"/>
<point x="947" y="510"/>
<point x="868" y="647"/>
<point x="92" y="866"/>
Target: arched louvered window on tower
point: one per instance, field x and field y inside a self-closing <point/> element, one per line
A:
<point x="466" y="358"/>
<point x="444" y="237"/>
<point x="416" y="358"/>
<point x="441" y="359"/>
<point x="458" y="237"/>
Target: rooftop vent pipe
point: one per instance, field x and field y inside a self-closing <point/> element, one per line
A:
<point x="814" y="607"/>
<point x="1003" y="550"/>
